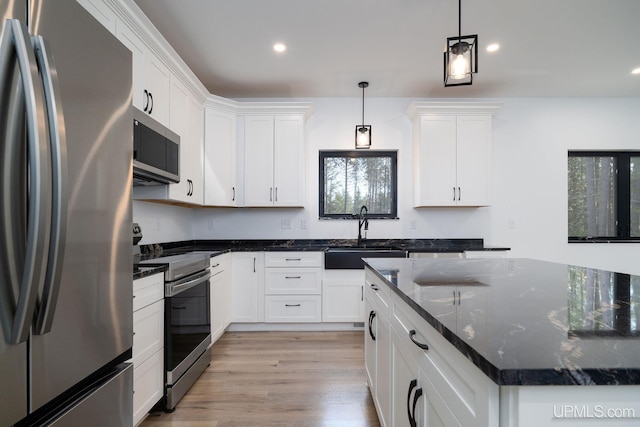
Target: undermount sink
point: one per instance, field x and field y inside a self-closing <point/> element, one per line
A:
<point x="351" y="257"/>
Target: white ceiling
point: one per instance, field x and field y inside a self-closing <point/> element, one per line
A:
<point x="549" y="48"/>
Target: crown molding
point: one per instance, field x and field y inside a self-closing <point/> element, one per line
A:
<point x="421" y="108"/>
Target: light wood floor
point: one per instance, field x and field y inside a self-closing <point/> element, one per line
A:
<point x="279" y="379"/>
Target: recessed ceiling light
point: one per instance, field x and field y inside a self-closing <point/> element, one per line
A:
<point x="279" y="47"/>
<point x="493" y="47"/>
<point x="635" y="71"/>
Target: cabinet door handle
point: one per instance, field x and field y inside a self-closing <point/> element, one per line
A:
<point x="413" y="384"/>
<point x="276" y="194"/>
<point x="416" y="396"/>
<point x="254" y="264"/>
<point x="459" y="193"/>
<point x="293" y="259"/>
<point x="233" y="198"/>
<point x="419" y="344"/>
<point x="454" y="194"/>
<point x="146" y="97"/>
<point x="374" y="287"/>
<point x="293" y="277"/>
<point x="372" y="315"/>
<point x="271" y="194"/>
<point x="292" y="305"/>
<point x="362" y="293"/>
<point x="151" y="98"/>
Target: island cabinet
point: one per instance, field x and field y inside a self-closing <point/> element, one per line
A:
<point x="293" y="287"/>
<point x="377" y="350"/>
<point x="431" y="382"/>
<point x="148" y="344"/>
<point x="220" y="155"/>
<point x="451" y="153"/>
<point x="247" y="291"/>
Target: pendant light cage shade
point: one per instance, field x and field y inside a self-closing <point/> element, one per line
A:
<point x="363" y="136"/>
<point x="363" y="132"/>
<point x="460" y="60"/>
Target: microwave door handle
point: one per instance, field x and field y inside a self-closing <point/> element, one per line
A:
<point x="15" y="36"/>
<point x="57" y="137"/>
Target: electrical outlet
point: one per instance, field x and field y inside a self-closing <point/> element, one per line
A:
<point x="412" y="225"/>
<point x="285" y="224"/>
<point x="304" y="223"/>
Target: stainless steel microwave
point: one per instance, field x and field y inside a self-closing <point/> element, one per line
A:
<point x="156" y="151"/>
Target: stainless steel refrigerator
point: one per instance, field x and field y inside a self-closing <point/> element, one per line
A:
<point x="65" y="218"/>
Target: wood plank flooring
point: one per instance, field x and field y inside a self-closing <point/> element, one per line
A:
<point x="279" y="379"/>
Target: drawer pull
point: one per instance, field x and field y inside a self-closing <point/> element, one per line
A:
<point x="293" y="277"/>
<point x="217" y="265"/>
<point x="292" y="305"/>
<point x="293" y="259"/>
<point x="178" y="308"/>
<point x="374" y="287"/>
<point x="419" y="344"/>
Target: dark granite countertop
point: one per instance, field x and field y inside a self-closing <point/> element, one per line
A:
<point x="316" y="245"/>
<point x="527" y="322"/>
<point x="140" y="272"/>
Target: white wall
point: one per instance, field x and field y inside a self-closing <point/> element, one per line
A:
<point x="529" y="193"/>
<point x="162" y="223"/>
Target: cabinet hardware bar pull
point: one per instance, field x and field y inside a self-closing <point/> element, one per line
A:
<point x="146" y="96"/>
<point x="454" y="194"/>
<point x="254" y="264"/>
<point x="293" y="277"/>
<point x="214" y="266"/>
<point x="271" y="194"/>
<point x="458" y="297"/>
<point x="151" y="107"/>
<point x="178" y="308"/>
<point x="293" y="259"/>
<point x="292" y="305"/>
<point x="459" y="193"/>
<point x="374" y="287"/>
<point x="276" y="194"/>
<point x="372" y="315"/>
<point x="413" y="384"/>
<point x="419" y="344"/>
<point x="361" y="293"/>
<point x="454" y="297"/>
<point x="233" y="198"/>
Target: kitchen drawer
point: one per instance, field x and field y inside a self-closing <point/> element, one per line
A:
<point x="148" y="331"/>
<point x="467" y="391"/>
<point x="293" y="259"/>
<point x="292" y="309"/>
<point x="148" y="385"/>
<point x="282" y="281"/>
<point x="148" y="290"/>
<point x="381" y="292"/>
<point x="219" y="263"/>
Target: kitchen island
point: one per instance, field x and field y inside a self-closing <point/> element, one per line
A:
<point x="509" y="342"/>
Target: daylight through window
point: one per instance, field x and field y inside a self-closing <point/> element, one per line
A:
<point x="351" y="179"/>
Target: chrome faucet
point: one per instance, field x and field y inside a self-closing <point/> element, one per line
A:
<point x="362" y="220"/>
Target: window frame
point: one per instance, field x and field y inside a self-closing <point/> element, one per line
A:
<point x="393" y="154"/>
<point x="622" y="196"/>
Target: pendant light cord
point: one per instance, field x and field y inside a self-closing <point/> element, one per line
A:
<point x="362" y="105"/>
<point x="459" y="20"/>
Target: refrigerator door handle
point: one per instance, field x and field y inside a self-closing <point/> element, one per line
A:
<point x="15" y="36"/>
<point x="57" y="136"/>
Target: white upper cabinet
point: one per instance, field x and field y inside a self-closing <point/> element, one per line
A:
<point x="451" y="153"/>
<point x="220" y="187"/>
<point x="274" y="157"/>
<point x="274" y="161"/>
<point x="151" y="78"/>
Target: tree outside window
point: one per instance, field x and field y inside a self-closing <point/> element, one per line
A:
<point x="351" y="179"/>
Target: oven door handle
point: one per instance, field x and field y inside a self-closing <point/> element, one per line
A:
<point x="176" y="288"/>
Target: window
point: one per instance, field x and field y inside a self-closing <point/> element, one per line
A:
<point x="604" y="196"/>
<point x="351" y="179"/>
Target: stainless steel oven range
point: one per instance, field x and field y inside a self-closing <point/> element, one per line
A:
<point x="187" y="322"/>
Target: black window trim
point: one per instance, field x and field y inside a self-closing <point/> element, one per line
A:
<point x="355" y="154"/>
<point x="623" y="196"/>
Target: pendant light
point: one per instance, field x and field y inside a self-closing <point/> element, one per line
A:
<point x="363" y="132"/>
<point x="460" y="57"/>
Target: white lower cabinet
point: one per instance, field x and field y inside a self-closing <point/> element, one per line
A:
<point x="247" y="291"/>
<point x="431" y="382"/>
<point x="220" y="295"/>
<point x="343" y="296"/>
<point x="148" y="344"/>
<point x="293" y="287"/>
